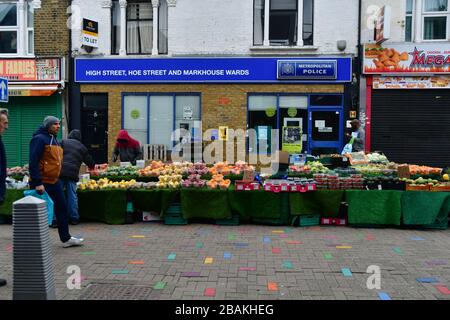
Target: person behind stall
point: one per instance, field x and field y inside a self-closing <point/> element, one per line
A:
<point x="359" y="135"/>
<point x="75" y="153"/>
<point x="46" y="158"/>
<point x="127" y="149"/>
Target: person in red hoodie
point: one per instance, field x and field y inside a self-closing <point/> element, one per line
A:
<point x="127" y="149"/>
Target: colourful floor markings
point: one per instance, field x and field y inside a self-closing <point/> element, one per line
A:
<point x="138" y="236"/>
<point x="133" y="244"/>
<point x="443" y="290"/>
<point x="247" y="269"/>
<point x="278" y="231"/>
<point x="437" y="263"/>
<point x="276" y="250"/>
<point x="384" y="296"/>
<point x="417" y="239"/>
<point x="209" y="260"/>
<point x="284" y="235"/>
<point x="88" y="253"/>
<point x="370" y="237"/>
<point x="241" y="245"/>
<point x="199" y="245"/>
<point x="136" y="262"/>
<point x="294" y="242"/>
<point x="398" y="250"/>
<point x="9" y="248"/>
<point x="287" y="265"/>
<point x="267" y="239"/>
<point x="171" y="256"/>
<point x="119" y="271"/>
<point x="346" y="272"/>
<point x="210" y="292"/>
<point x="272" y="286"/>
<point x="159" y="285"/>
<point x="344" y="247"/>
<point x="231" y="236"/>
<point x="227" y="255"/>
<point x="427" y="280"/>
<point x="190" y="274"/>
<point x="328" y="256"/>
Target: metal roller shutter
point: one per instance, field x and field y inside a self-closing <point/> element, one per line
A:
<point x="412" y="126"/>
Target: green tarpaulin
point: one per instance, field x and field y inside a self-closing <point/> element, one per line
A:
<point x="323" y="202"/>
<point x="425" y="208"/>
<point x="108" y="206"/>
<point x="11" y="196"/>
<point x="260" y="206"/>
<point x="204" y="203"/>
<point x="155" y="200"/>
<point x="377" y="207"/>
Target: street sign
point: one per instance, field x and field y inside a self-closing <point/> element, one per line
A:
<point x="3" y="90"/>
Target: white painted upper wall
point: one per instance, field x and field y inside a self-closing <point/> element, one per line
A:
<point x="225" y="27"/>
<point x="369" y="13"/>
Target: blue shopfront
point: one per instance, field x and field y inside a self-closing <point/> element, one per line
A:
<point x="307" y="100"/>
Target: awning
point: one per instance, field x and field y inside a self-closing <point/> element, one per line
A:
<point x="43" y="90"/>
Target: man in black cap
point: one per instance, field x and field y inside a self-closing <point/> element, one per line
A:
<point x="46" y="157"/>
<point x="3" y="127"/>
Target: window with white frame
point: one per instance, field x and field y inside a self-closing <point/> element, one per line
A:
<point x="435" y="15"/>
<point x="12" y="28"/>
<point x="283" y="20"/>
<point x="139" y="27"/>
<point x="152" y="118"/>
<point x="409" y="20"/>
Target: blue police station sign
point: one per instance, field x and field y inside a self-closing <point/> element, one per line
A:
<point x="3" y="90"/>
<point x="307" y="69"/>
<point x="213" y="70"/>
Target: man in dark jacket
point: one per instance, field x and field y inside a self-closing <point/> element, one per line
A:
<point x="46" y="157"/>
<point x="74" y="154"/>
<point x="3" y="127"/>
<point x="127" y="149"/>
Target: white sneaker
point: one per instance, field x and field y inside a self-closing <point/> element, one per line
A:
<point x="73" y="242"/>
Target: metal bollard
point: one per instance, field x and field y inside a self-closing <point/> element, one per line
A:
<point x="33" y="270"/>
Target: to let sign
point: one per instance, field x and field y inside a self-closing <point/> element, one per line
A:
<point x="89" y="34"/>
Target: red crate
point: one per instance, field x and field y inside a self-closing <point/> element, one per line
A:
<point x="326" y="221"/>
<point x="339" y="222"/>
<point x="311" y="187"/>
<point x="277" y="188"/>
<point x="246" y="186"/>
<point x="299" y="188"/>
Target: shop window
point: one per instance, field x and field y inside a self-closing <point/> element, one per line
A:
<point x="283" y="22"/>
<point x="262" y="117"/>
<point x="153" y="119"/>
<point x="135" y="117"/>
<point x="409" y="20"/>
<point x="11" y="29"/>
<point x="435" y="19"/>
<point x="326" y="100"/>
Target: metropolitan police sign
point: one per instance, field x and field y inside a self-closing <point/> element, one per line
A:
<point x="89" y="34"/>
<point x="307" y="69"/>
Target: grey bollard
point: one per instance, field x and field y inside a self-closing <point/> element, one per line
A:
<point x="33" y="270"/>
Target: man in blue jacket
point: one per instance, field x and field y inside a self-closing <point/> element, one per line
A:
<point x="3" y="127"/>
<point x="46" y="158"/>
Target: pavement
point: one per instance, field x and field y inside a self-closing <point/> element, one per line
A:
<point x="151" y="261"/>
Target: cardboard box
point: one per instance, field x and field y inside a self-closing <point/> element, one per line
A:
<point x="282" y="156"/>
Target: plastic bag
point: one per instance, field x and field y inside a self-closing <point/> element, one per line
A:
<point x="348" y="148"/>
<point x="44" y="197"/>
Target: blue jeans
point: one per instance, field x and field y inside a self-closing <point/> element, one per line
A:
<point x="56" y="192"/>
<point x="71" y="198"/>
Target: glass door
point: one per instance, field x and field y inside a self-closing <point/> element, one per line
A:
<point x="325" y="130"/>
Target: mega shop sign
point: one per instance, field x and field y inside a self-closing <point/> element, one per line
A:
<point x="414" y="59"/>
